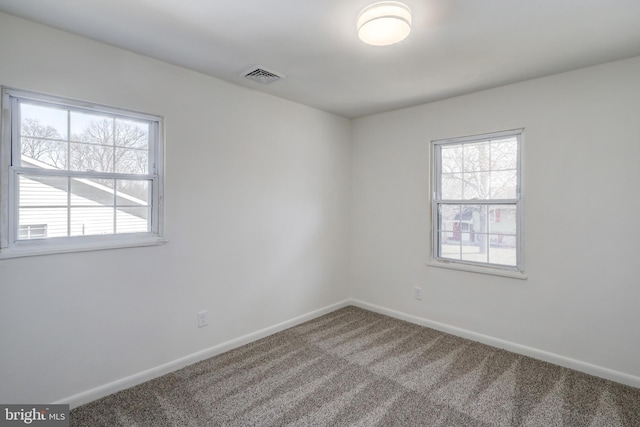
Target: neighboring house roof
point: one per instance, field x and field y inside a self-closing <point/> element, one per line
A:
<point x="86" y="186"/>
<point x="44" y="200"/>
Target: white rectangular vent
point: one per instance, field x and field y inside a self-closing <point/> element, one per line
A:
<point x="261" y="75"/>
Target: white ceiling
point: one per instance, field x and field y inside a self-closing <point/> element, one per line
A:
<point x="455" y="46"/>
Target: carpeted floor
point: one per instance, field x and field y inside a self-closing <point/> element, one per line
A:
<point x="353" y="367"/>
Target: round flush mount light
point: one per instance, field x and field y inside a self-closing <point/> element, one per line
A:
<point x="384" y="23"/>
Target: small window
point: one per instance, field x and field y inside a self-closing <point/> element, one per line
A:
<point x="476" y="202"/>
<point x="32" y="231"/>
<point x="75" y="173"/>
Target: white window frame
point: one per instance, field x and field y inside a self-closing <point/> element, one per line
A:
<point x="10" y="245"/>
<point x="435" y="201"/>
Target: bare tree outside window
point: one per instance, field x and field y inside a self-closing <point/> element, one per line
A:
<point x="100" y="145"/>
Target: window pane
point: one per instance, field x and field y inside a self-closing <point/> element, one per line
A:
<point x="91" y="157"/>
<point x="502" y="219"/>
<point x="476" y="217"/>
<point x="476" y="185"/>
<point x="474" y="247"/>
<point x="133" y="220"/>
<point x="54" y="219"/>
<point x="451" y="186"/>
<point x="504" y="185"/>
<point x="43" y="122"/>
<point x="132" y="161"/>
<point x="43" y="202"/>
<point x="87" y="221"/>
<point x="451" y="158"/>
<point x="92" y="192"/>
<point x="504" y="154"/>
<point x="449" y="246"/>
<point x="449" y="237"/>
<point x="448" y="217"/>
<point x="91" y="128"/>
<point x="477" y="157"/>
<point x="42" y="191"/>
<point x="502" y="250"/>
<point x="133" y="192"/>
<point x="132" y="134"/>
<point x="92" y="212"/>
<point x="43" y="153"/>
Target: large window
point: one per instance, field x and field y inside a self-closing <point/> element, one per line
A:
<point x="477" y="202"/>
<point x="77" y="175"/>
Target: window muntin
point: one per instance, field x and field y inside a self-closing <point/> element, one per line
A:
<point x="79" y="170"/>
<point x="477" y="201"/>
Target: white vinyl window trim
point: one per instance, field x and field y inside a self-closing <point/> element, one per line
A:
<point x="12" y="167"/>
<point x="436" y="258"/>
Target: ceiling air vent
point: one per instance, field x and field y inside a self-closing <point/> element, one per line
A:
<point x="262" y="75"/>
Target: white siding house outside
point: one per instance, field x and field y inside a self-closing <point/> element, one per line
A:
<point x="93" y="209"/>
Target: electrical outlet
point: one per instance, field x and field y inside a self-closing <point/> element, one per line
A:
<point x="203" y="319"/>
<point x="417" y="293"/>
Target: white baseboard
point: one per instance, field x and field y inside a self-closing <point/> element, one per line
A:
<point x="556" y="359"/>
<point x="149" y="374"/>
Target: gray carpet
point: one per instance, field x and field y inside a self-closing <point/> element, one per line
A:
<point x="353" y="367"/>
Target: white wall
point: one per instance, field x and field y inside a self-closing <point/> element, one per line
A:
<point x="257" y="210"/>
<point x="581" y="170"/>
<point x="259" y="197"/>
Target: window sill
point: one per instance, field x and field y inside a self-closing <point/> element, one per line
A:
<point x="477" y="269"/>
<point x="48" y="248"/>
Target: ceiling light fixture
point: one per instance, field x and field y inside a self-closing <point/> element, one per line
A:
<point x="384" y="23"/>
